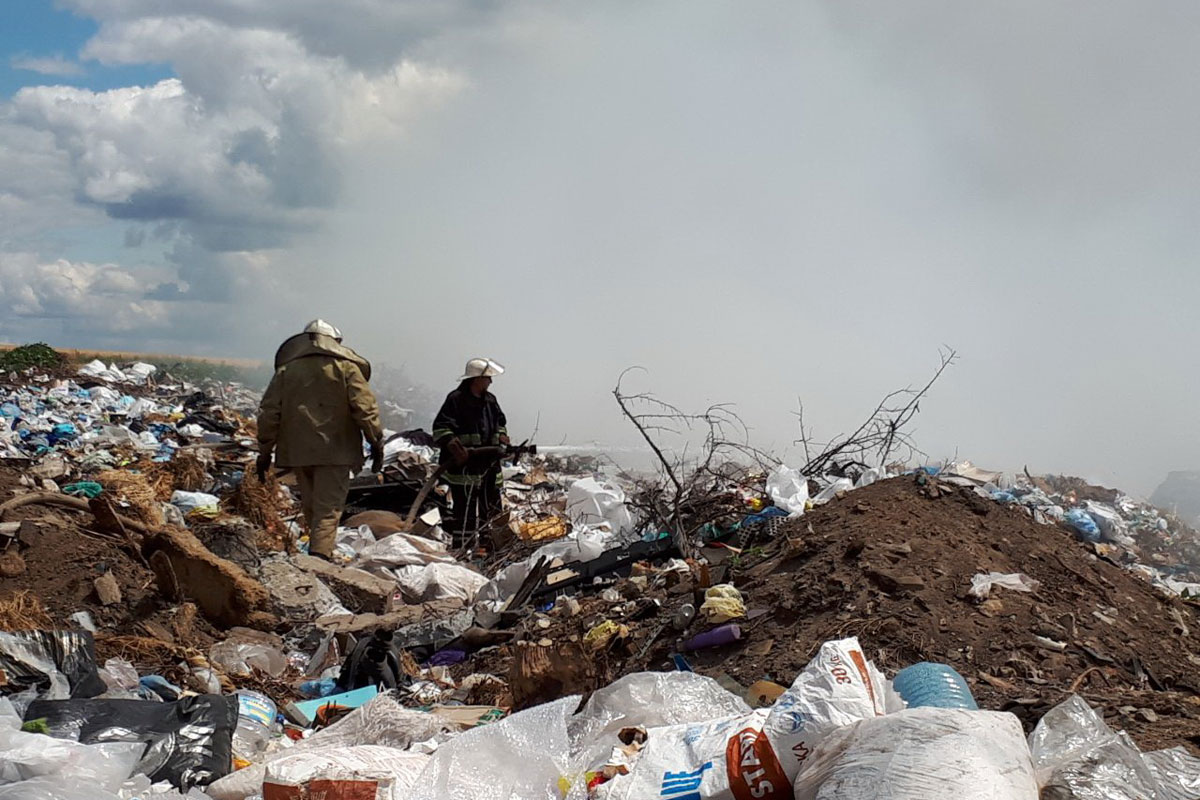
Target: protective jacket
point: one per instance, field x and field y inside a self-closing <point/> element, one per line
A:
<point x="318" y="407"/>
<point x="475" y="422"/>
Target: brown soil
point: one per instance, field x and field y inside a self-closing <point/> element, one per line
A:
<point x="62" y="560"/>
<point x="892" y="564"/>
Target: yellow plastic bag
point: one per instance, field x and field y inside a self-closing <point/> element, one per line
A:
<point x="722" y="603"/>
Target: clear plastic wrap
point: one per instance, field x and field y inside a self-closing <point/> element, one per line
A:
<point x="523" y="757"/>
<point x="983" y="583"/>
<point x="34" y="765"/>
<point x="1078" y="757"/>
<point x="119" y="675"/>
<point x="52" y="661"/>
<point x="1177" y="773"/>
<point x="240" y="659"/>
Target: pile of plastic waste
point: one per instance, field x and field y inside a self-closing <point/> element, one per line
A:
<point x="841" y="730"/>
<point x="411" y="666"/>
<point x="115" y="409"/>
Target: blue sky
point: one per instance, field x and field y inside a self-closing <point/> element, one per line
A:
<point x="33" y="30"/>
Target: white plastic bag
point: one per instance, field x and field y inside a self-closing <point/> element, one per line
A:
<point x="380" y="721"/>
<point x="188" y="502"/>
<point x="140" y="372"/>
<point x="400" y="550"/>
<point x="352" y="541"/>
<point x="354" y="771"/>
<point x="832" y="490"/>
<point x="983" y="583"/>
<point x="788" y="489"/>
<point x="920" y="754"/>
<point x="837" y="688"/>
<point x="592" y="503"/>
<point x="1112" y="526"/>
<point x="518" y="758"/>
<point x="428" y="582"/>
<point x="757" y="755"/>
<point x="646" y="700"/>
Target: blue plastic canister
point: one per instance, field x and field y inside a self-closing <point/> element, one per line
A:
<point x="933" y="685"/>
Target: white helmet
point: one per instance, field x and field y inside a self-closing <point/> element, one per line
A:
<point x="481" y="368"/>
<point x="324" y="328"/>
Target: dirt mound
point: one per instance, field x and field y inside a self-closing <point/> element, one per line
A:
<point x="62" y="556"/>
<point x="892" y="564"/>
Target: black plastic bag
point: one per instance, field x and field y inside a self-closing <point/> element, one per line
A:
<point x="23" y="655"/>
<point x="373" y="662"/>
<point x="188" y="742"/>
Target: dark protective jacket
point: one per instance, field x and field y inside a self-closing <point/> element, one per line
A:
<point x="318" y="407"/>
<point x="475" y="422"/>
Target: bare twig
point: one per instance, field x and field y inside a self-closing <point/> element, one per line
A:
<point x="696" y="490"/>
<point x="639" y="422"/>
<point x="883" y="433"/>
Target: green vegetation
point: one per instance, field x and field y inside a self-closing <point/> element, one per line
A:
<point x="28" y="356"/>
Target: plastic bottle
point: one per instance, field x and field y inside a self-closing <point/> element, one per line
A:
<point x="721" y="635"/>
<point x="256" y="716"/>
<point x="684" y="616"/>
<point x="933" y="685"/>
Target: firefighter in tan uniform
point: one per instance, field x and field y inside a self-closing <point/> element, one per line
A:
<point x="314" y="416"/>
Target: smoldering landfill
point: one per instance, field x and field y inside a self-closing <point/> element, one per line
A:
<point x="767" y="633"/>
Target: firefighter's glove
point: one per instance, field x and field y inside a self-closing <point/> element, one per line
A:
<point x="458" y="454"/>
<point x="263" y="465"/>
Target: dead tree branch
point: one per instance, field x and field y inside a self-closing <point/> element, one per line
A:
<point x="695" y="491"/>
<point x="882" y="434"/>
<point x="638" y="421"/>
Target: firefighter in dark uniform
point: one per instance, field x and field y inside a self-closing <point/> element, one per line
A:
<point x="471" y="418"/>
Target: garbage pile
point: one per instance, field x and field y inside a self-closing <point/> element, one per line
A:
<point x="1156" y="544"/>
<point x="841" y="730"/>
<point x="164" y="634"/>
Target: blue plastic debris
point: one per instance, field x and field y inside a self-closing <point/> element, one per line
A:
<point x="681" y="663"/>
<point x="318" y="688"/>
<point x="762" y="516"/>
<point x="927" y="684"/>
<point x="153" y="687"/>
<point x="1083" y="524"/>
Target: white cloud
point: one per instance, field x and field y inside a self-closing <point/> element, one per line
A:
<point x="237" y="154"/>
<point x="54" y="65"/>
<point x="37" y="188"/>
<point x="100" y="296"/>
<point x="368" y="34"/>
